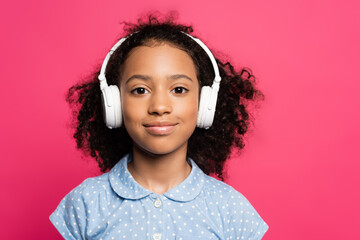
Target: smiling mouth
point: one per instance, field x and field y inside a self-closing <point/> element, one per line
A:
<point x="160" y="129"/>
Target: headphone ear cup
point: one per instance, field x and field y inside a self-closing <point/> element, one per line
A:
<point x="205" y="114"/>
<point x="112" y="112"/>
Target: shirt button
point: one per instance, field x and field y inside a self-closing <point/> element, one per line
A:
<point x="157" y="203"/>
<point x="157" y="236"/>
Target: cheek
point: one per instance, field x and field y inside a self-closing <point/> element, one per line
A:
<point x="188" y="110"/>
<point x="131" y="113"/>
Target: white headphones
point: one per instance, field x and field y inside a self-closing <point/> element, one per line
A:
<point x="111" y="94"/>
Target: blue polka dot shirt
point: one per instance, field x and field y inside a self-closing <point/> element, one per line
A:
<point x="115" y="206"/>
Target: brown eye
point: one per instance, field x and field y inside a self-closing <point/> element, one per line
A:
<point x="179" y="90"/>
<point x="139" y="91"/>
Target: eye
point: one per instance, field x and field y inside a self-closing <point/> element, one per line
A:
<point x="139" y="91"/>
<point x="179" y="90"/>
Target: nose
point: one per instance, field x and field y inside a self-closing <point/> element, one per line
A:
<point x="160" y="103"/>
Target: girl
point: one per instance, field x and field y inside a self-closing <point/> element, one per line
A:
<point x="148" y="116"/>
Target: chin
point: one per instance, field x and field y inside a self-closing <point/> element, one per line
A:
<point x="160" y="149"/>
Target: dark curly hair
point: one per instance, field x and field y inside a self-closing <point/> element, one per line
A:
<point x="208" y="148"/>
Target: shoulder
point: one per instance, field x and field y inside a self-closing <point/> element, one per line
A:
<point x="221" y="190"/>
<point x="93" y="191"/>
<point x="239" y="217"/>
<point x="91" y="186"/>
<point x="89" y="189"/>
<point x="72" y="214"/>
<point x="101" y="185"/>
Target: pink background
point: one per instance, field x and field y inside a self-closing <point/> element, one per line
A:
<point x="300" y="168"/>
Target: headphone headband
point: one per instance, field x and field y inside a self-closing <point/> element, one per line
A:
<point x="102" y="77"/>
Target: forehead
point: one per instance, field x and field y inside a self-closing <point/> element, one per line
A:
<point x="158" y="57"/>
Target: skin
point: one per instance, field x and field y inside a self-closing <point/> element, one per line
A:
<point x="159" y="95"/>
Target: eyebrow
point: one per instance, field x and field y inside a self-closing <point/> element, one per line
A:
<point x="147" y="78"/>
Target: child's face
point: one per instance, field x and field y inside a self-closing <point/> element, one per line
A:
<point x="159" y="95"/>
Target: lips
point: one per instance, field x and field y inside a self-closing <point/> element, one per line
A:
<point x="160" y="128"/>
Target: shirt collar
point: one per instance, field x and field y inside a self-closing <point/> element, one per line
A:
<point x="125" y="185"/>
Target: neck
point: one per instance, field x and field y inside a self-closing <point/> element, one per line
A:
<point x="159" y="173"/>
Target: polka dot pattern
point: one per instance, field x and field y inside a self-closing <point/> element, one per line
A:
<point x="115" y="206"/>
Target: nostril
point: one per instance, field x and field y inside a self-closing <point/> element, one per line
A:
<point x="160" y="109"/>
<point x="160" y="105"/>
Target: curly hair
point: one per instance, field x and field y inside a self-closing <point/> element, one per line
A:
<point x="231" y="120"/>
